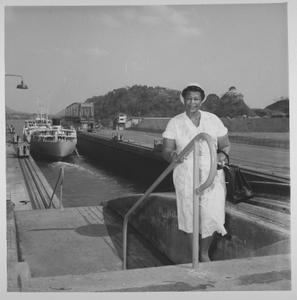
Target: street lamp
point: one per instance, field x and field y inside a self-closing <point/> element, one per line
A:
<point x="19" y="86"/>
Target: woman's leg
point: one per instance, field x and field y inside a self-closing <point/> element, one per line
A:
<point x="204" y="246"/>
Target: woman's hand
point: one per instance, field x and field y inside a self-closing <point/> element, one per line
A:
<point x="174" y="157"/>
<point x="225" y="146"/>
<point x="221" y="160"/>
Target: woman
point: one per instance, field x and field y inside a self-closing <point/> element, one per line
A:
<point x="180" y="130"/>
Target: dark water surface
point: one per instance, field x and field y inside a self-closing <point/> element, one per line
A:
<point x="85" y="182"/>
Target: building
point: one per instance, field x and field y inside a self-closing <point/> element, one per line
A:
<point x="119" y="121"/>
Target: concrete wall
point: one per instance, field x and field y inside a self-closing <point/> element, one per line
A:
<point x="156" y="220"/>
<point x="248" y="235"/>
<point x="275" y="143"/>
<point x="233" y="125"/>
<point x="257" y="124"/>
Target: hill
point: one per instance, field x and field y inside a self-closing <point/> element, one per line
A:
<point x="230" y="105"/>
<point x="162" y="102"/>
<point x="278" y="109"/>
<point x="10" y="111"/>
<point x="13" y="114"/>
<point x="137" y="101"/>
<point x="281" y="106"/>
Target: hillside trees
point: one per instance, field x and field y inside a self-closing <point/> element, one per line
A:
<point x="157" y="101"/>
<point x="137" y="101"/>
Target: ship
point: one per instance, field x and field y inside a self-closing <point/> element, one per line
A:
<point x="47" y="140"/>
<point x="53" y="142"/>
<point x="32" y="125"/>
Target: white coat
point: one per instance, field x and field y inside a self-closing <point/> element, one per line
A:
<point x="212" y="201"/>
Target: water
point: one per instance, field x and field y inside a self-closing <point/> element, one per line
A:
<point x="85" y="182"/>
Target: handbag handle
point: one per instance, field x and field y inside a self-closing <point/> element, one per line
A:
<point x="227" y="156"/>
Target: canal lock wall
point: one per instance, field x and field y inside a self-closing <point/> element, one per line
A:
<point x="156" y="220"/>
<point x="129" y="160"/>
<point x="248" y="235"/>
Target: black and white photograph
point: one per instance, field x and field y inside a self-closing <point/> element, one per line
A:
<point x="148" y="149"/>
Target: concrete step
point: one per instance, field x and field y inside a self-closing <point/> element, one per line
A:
<point x="252" y="274"/>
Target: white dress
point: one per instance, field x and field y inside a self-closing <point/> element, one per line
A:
<point x="212" y="201"/>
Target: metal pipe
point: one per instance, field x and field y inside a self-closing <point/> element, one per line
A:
<point x="61" y="189"/>
<point x="61" y="175"/>
<point x="198" y="189"/>
<point x="196" y="201"/>
<point x="34" y="195"/>
<point x="41" y="193"/>
<point x="213" y="163"/>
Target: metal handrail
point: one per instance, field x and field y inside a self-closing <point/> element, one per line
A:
<point x="198" y="190"/>
<point x="60" y="178"/>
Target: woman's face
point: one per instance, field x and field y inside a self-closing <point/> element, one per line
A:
<point x="193" y="101"/>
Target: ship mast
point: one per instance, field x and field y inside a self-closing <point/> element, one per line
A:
<point x="38" y="108"/>
<point x="41" y="112"/>
<point x="47" y="107"/>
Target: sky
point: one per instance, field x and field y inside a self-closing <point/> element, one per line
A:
<point x="68" y="54"/>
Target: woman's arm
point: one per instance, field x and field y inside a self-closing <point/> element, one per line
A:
<point x="223" y="145"/>
<point x="168" y="147"/>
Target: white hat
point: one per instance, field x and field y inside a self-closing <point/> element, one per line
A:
<point x="190" y="84"/>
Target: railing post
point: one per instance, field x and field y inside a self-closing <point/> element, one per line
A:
<point x="196" y="200"/>
<point x="61" y="175"/>
<point x="199" y="188"/>
<point x="61" y="188"/>
<point x="125" y="246"/>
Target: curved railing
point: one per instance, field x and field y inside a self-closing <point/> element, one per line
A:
<point x="60" y="179"/>
<point x="198" y="189"/>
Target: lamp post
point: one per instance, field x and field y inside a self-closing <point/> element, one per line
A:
<point x="19" y="86"/>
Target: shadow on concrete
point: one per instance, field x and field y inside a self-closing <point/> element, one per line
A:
<point x="98" y="230"/>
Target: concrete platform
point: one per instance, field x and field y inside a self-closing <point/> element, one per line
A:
<point x="87" y="235"/>
<point x="79" y="250"/>
<point x="271" y="273"/>
<point x="77" y="241"/>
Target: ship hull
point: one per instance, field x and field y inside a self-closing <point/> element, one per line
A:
<point x="54" y="150"/>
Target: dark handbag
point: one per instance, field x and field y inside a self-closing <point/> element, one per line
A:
<point x="238" y="188"/>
